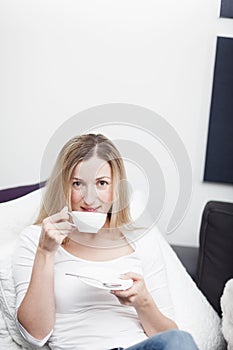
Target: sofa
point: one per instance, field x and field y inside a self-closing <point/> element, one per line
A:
<point x="196" y="275"/>
<point x="211" y="264"/>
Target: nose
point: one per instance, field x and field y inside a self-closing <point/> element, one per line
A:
<point x="90" y="195"/>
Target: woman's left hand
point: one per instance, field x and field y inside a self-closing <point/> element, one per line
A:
<point x="138" y="295"/>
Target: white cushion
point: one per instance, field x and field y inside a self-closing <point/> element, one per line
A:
<point x="227" y="313"/>
<point x="16" y="215"/>
<point x="6" y="341"/>
<point x="193" y="312"/>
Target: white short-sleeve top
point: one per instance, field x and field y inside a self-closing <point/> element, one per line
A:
<point x="88" y="317"/>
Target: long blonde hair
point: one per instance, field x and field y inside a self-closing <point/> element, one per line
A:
<point x="80" y="148"/>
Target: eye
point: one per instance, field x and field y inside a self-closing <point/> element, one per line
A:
<point x="102" y="184"/>
<point x="76" y="184"/>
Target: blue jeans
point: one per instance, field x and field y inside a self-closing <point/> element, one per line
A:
<point x="169" y="340"/>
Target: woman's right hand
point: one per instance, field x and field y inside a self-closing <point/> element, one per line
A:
<point x="54" y="229"/>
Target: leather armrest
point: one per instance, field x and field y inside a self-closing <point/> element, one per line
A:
<point x="189" y="257"/>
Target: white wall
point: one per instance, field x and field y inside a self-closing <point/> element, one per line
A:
<point x="59" y="57"/>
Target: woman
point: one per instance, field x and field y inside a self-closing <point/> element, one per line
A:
<point x="53" y="307"/>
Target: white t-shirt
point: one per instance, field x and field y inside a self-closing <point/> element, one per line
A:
<point x="88" y="317"/>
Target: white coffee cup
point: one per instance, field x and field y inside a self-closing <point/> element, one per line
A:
<point x="90" y="222"/>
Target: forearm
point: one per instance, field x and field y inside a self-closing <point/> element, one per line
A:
<point x="37" y="310"/>
<point x="152" y="320"/>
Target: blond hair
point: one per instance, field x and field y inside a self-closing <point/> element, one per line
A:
<point x="76" y="150"/>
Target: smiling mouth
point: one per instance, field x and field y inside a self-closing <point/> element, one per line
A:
<point x="91" y="210"/>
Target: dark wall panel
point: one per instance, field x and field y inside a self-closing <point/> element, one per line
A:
<point x="226" y="9"/>
<point x="219" y="153"/>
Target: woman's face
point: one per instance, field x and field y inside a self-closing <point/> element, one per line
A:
<point x="91" y="186"/>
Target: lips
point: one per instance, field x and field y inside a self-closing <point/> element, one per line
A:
<point x="91" y="210"/>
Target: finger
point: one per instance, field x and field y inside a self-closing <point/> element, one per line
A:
<point x="64" y="233"/>
<point x="55" y="218"/>
<point x="125" y="294"/>
<point x="53" y="233"/>
<point x="63" y="225"/>
<point x="61" y="238"/>
<point x="58" y="236"/>
<point x="58" y="239"/>
<point x="65" y="209"/>
<point x="124" y="301"/>
<point x="131" y="275"/>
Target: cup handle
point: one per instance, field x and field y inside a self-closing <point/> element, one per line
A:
<point x="71" y="223"/>
<point x="68" y="222"/>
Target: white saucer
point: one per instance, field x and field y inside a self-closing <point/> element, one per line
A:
<point x="111" y="278"/>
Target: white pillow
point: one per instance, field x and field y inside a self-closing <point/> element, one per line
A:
<point x="7" y="308"/>
<point x="6" y="341"/>
<point x="194" y="313"/>
<point x="15" y="216"/>
<point x="227" y="313"/>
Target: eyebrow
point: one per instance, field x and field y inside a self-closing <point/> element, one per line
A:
<point x="98" y="178"/>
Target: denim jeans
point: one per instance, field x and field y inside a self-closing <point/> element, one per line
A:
<point x="169" y="340"/>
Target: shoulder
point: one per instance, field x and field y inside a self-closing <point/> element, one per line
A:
<point x="145" y="239"/>
<point x="149" y="250"/>
<point x="30" y="234"/>
<point x="26" y="245"/>
<point x="149" y="236"/>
